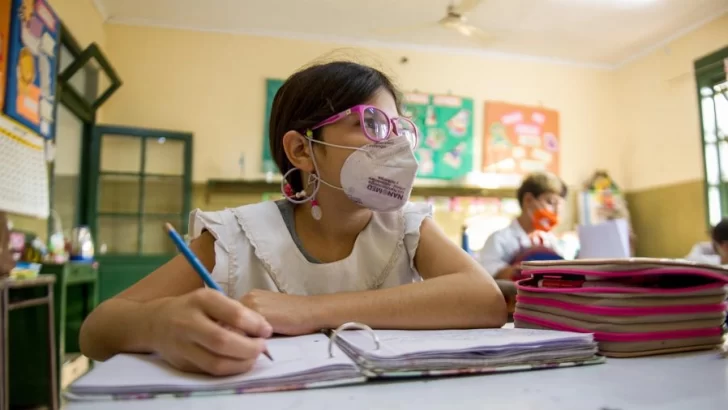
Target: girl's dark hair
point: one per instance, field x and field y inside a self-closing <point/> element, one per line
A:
<point x="316" y="93"/>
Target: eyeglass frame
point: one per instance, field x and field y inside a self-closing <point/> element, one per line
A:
<point x="359" y="109"/>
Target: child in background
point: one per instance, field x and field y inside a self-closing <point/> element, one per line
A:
<point x="540" y="196"/>
<point x="345" y="245"/>
<point x="715" y="251"/>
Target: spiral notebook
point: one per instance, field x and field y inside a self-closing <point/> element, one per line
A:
<point x="346" y="357"/>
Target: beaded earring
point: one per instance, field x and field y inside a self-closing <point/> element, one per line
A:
<point x="301" y="196"/>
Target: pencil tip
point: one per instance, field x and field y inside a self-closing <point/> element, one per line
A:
<point x="168" y="226"/>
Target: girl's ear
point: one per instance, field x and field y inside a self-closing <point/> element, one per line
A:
<point x="298" y="151"/>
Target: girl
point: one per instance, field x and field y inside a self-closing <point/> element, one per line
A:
<point x="344" y="245"/>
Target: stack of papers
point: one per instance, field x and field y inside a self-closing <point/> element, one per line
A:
<point x="427" y="351"/>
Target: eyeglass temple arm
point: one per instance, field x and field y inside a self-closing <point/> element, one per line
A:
<point x="332" y="120"/>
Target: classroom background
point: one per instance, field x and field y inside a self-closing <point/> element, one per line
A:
<point x="146" y="110"/>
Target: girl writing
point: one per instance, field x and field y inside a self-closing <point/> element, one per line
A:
<point x="344" y="245"/>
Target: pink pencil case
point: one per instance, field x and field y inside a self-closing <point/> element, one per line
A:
<point x="634" y="307"/>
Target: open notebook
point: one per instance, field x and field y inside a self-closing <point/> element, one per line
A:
<point x="304" y="362"/>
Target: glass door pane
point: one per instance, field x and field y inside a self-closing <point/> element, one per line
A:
<point x="163" y="156"/>
<point x="163" y="195"/>
<point x="164" y="192"/>
<point x="155" y="240"/>
<point x="121" y="154"/>
<point x="117" y="235"/>
<point x="721" y="110"/>
<point x="119" y="194"/>
<point x="143" y="182"/>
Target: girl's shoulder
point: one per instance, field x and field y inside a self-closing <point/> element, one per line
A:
<point x="225" y="223"/>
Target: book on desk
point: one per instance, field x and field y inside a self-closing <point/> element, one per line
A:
<point x="346" y="356"/>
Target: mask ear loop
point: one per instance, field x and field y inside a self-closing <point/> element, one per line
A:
<point x="301" y="197"/>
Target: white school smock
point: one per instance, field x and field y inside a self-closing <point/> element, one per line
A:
<point x="255" y="250"/>
<point x="504" y="244"/>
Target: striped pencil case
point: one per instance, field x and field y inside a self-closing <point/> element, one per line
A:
<point x="634" y="307"/>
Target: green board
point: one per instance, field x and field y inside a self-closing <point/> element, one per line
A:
<point x="268" y="165"/>
<point x="445" y="122"/>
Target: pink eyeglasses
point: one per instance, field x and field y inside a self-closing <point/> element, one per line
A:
<point x="377" y="126"/>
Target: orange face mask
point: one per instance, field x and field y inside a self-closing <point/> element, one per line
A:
<point x="544" y="220"/>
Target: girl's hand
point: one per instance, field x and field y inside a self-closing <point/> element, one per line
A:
<point x="288" y="314"/>
<point x="190" y="333"/>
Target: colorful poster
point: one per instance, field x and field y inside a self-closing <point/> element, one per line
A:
<point x="520" y="139"/>
<point x="268" y="163"/>
<point x="32" y="59"/>
<point x="445" y="150"/>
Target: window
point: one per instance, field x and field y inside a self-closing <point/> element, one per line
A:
<point x="712" y="84"/>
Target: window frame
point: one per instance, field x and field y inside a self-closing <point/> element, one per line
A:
<point x="709" y="72"/>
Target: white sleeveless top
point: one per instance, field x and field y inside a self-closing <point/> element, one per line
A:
<point x="254" y="250"/>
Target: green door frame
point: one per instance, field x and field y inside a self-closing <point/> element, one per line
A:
<point x="119" y="271"/>
<point x="144" y="134"/>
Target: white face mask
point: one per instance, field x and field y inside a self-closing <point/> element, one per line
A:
<point x="377" y="176"/>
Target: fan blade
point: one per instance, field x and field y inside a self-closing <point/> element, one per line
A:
<point x="473" y="32"/>
<point x="405" y="29"/>
<point x="466" y="6"/>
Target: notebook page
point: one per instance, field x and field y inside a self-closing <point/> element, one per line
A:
<point x="395" y="343"/>
<point x="292" y="355"/>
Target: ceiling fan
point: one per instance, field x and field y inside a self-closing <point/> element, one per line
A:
<point x="454" y="19"/>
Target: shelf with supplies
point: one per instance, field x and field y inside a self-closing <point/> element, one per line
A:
<point x="245" y="186"/>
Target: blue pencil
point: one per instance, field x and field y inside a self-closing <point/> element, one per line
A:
<point x="196" y="264"/>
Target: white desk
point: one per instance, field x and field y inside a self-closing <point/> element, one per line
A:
<point x="689" y="381"/>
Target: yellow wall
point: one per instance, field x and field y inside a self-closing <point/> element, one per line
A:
<point x="661" y="142"/>
<point x="668" y="219"/>
<point x="83" y="20"/>
<point x="213" y="85"/>
<point x="659" y="125"/>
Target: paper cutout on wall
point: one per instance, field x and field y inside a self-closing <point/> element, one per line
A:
<point x="520" y="139"/>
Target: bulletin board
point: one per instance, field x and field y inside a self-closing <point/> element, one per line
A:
<point x="445" y="122"/>
<point x="520" y="139"/>
<point x="5" y="8"/>
<point x="268" y="165"/>
<point x="31" y="65"/>
<point x="23" y="171"/>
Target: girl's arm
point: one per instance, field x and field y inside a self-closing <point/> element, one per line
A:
<point x="169" y="312"/>
<point x="456" y="293"/>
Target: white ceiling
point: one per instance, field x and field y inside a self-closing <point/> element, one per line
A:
<point x="597" y="32"/>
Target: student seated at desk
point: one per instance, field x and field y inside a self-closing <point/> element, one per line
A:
<point x="540" y="196"/>
<point x="714" y="252"/>
<point x="345" y="245"/>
